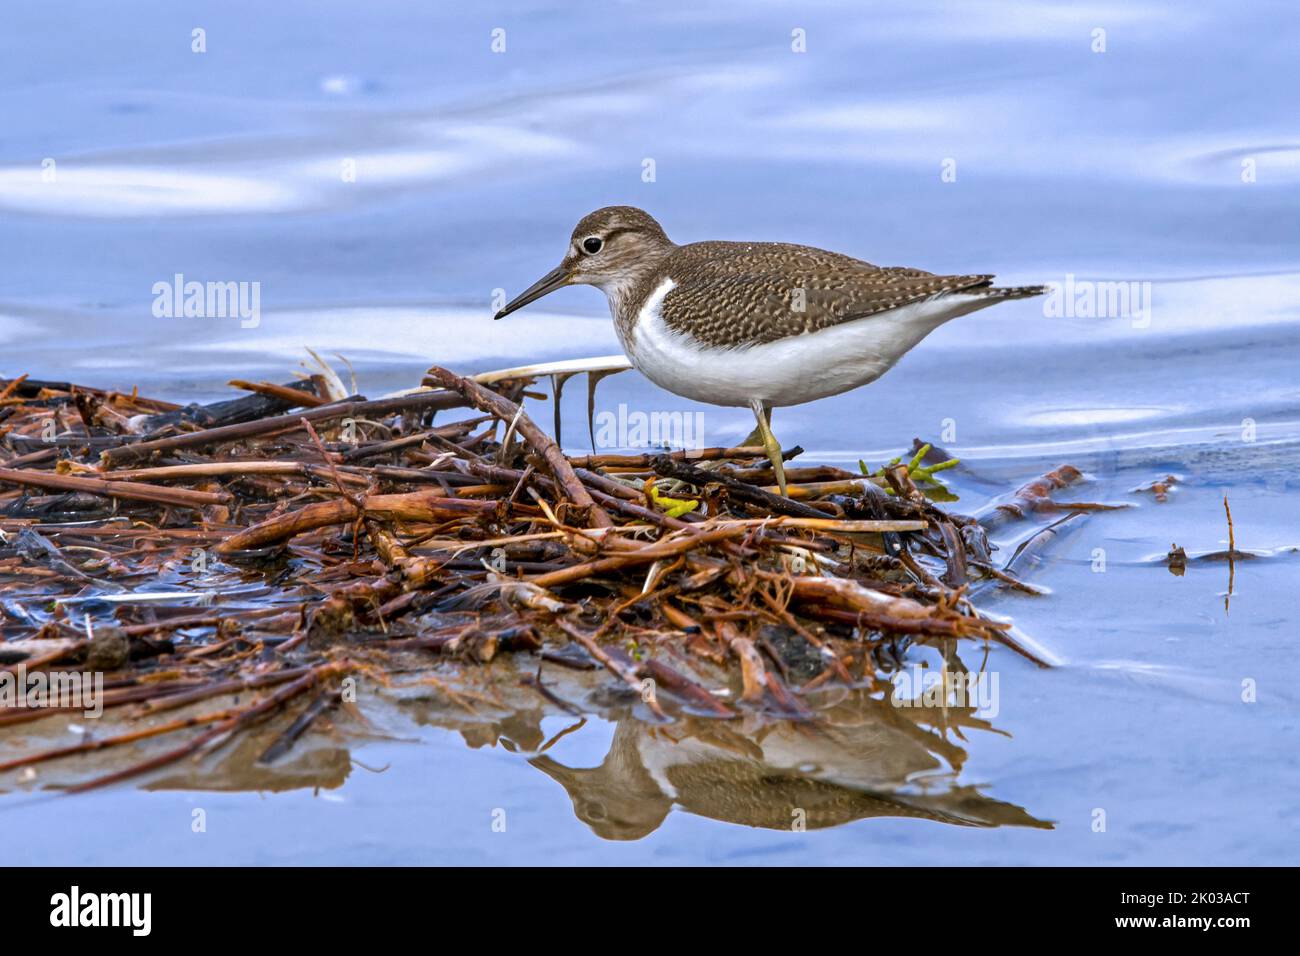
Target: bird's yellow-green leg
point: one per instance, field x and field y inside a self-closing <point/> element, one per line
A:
<point x="755" y="436"/>
<point x="761" y="412"/>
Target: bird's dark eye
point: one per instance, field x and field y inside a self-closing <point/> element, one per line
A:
<point x="592" y="244"/>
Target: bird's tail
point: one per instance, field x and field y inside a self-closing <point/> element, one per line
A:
<point x="1007" y="292"/>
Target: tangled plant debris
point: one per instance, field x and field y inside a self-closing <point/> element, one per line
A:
<point x="248" y="562"/>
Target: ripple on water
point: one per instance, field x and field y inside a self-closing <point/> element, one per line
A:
<point x="1092" y="416"/>
<point x="128" y="191"/>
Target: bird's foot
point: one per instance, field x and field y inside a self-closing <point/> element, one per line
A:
<point x="774" y="456"/>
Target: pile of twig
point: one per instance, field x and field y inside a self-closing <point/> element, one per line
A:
<point x="194" y="553"/>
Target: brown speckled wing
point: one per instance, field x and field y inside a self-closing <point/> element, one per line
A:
<point x="730" y="294"/>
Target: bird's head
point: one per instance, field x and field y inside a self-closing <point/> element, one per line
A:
<point x="612" y="248"/>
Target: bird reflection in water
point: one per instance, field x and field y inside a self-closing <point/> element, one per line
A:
<point x="862" y="758"/>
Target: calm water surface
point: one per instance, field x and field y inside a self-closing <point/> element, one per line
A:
<point x="1170" y="160"/>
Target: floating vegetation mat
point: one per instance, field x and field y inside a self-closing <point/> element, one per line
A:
<point x="252" y="563"/>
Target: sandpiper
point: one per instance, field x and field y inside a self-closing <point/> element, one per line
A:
<point x="756" y="324"/>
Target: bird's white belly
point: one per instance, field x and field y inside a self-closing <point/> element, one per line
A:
<point x="790" y="371"/>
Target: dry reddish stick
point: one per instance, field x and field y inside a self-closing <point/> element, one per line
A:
<point x="179" y="497"/>
<point x="645" y="461"/>
<point x="413" y="506"/>
<point x="223" y="469"/>
<point x="613" y="666"/>
<point x="753" y="674"/>
<point x="847" y="593"/>
<point x="295" y="398"/>
<point x="290" y="525"/>
<point x="276" y="423"/>
<point x="644" y="555"/>
<point x="489" y="401"/>
<point x="678" y="683"/>
<point x="1036" y="496"/>
<point x="12" y="386"/>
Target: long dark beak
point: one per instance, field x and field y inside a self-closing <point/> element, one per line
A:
<point x="545" y="285"/>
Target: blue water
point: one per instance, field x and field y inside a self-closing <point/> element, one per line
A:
<point x="1171" y="158"/>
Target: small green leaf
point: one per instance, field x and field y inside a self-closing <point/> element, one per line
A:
<point x="916" y="459"/>
<point x="920" y="474"/>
